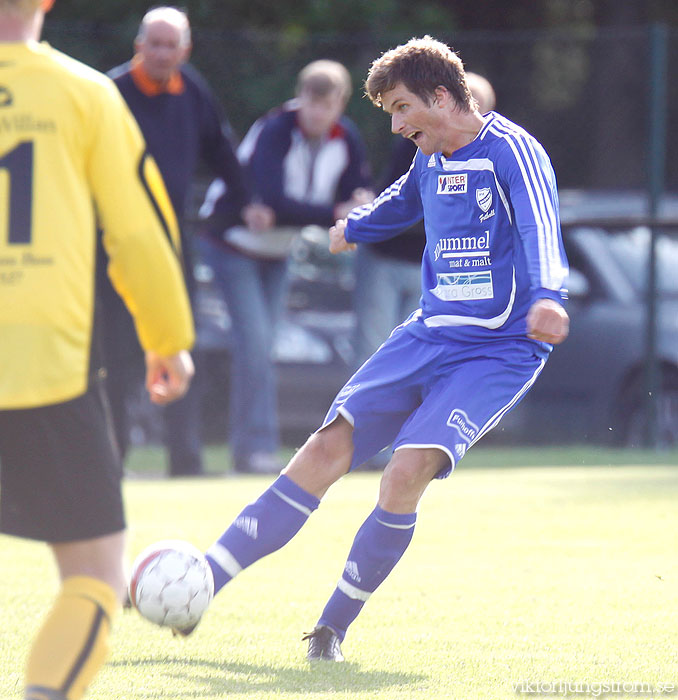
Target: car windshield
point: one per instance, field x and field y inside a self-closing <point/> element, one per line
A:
<point x="631" y="249"/>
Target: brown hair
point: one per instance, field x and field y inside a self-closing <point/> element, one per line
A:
<point x="421" y="65"/>
<point x="322" y="77"/>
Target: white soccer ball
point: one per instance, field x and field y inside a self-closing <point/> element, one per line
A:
<point x="171" y="584"/>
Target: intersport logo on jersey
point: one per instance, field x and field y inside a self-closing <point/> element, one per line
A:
<point x="455" y="183"/>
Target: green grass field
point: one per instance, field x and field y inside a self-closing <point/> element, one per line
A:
<point x="566" y="572"/>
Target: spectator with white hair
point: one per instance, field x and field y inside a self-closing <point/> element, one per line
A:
<point x="183" y="125"/>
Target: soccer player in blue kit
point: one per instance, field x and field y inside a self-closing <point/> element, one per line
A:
<point x="493" y="276"/>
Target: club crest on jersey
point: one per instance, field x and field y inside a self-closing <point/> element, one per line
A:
<point x="484" y="198"/>
<point x="454" y="183"/>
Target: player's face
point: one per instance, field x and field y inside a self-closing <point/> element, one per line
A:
<point x="162" y="50"/>
<point x="426" y="124"/>
<point x="317" y="115"/>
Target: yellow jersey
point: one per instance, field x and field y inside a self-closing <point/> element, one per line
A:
<point x="71" y="155"/>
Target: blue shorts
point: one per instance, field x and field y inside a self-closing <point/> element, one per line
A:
<point x="447" y="395"/>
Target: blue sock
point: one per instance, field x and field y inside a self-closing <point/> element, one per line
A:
<point x="261" y="528"/>
<point x="377" y="548"/>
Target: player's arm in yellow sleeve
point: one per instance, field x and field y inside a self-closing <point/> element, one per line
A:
<point x="141" y="235"/>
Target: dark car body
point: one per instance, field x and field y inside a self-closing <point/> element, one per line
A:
<point x="593" y="387"/>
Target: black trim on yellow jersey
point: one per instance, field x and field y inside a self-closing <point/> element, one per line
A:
<point x="156" y="206"/>
<point x="97" y="354"/>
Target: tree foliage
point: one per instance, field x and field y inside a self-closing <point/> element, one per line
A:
<point x="573" y="72"/>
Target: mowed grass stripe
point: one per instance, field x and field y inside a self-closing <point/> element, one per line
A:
<point x="564" y="574"/>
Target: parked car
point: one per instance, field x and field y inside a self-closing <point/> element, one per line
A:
<point x="593" y="388"/>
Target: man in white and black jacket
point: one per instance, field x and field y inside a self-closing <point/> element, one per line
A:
<point x="305" y="161"/>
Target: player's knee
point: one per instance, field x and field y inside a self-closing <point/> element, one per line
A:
<point x="330" y="448"/>
<point x="324" y="458"/>
<point x="406" y="477"/>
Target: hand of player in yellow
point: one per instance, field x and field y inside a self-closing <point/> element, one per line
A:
<point x="168" y="378"/>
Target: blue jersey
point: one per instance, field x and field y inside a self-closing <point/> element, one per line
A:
<point x="493" y="241"/>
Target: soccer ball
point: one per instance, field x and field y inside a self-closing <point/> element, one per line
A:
<point x="171" y="584"/>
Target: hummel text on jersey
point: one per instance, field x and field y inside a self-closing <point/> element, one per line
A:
<point x="461" y="246"/>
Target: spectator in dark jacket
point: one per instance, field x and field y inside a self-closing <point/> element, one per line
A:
<point x="182" y="124"/>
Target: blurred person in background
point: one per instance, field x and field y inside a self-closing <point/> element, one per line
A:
<point x="306" y="161"/>
<point x="183" y="125"/>
<point x="70" y="151"/>
<point x="388" y="273"/>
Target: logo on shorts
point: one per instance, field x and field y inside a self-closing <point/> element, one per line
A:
<point x="346" y="392"/>
<point x="452" y="184"/>
<point x="466" y="428"/>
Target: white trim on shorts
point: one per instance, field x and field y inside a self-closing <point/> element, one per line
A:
<point x="340" y="411"/>
<point x="419" y="446"/>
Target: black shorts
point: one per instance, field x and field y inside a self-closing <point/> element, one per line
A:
<point x="60" y="472"/>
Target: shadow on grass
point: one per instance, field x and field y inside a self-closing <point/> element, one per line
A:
<point x="250" y="679"/>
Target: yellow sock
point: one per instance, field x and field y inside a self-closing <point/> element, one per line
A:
<point x="72" y="644"/>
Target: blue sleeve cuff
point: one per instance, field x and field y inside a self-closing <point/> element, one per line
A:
<point x="347" y="233"/>
<point x="557" y="295"/>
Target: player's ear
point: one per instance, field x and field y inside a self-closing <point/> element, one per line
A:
<point x="46" y="5"/>
<point x="442" y="95"/>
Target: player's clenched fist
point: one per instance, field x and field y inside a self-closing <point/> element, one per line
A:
<point x="338" y="242"/>
<point x="548" y="321"/>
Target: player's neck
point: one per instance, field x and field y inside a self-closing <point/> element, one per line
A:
<point x="18" y="29"/>
<point x="463" y="131"/>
